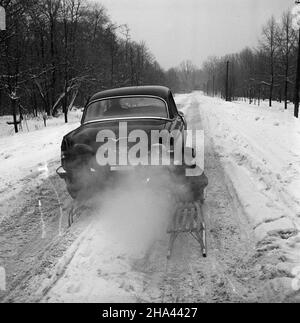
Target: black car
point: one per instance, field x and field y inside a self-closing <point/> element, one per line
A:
<point x="146" y="109"/>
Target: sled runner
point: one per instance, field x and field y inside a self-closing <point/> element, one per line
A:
<point x="188" y="219"/>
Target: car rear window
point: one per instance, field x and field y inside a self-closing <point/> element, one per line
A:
<point x="126" y="108"/>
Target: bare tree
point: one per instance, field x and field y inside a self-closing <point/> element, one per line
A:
<point x="270" y="46"/>
<point x="210" y="67"/>
<point x="56" y="53"/>
<point x="187" y="75"/>
<point x="286" y="41"/>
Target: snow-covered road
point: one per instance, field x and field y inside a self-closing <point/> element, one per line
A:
<point x="252" y="208"/>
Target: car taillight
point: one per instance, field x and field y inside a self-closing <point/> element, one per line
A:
<point x="64" y="148"/>
<point x="63" y="155"/>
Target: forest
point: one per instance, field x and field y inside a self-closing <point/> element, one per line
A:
<point x="56" y="53"/>
<point x="267" y="72"/>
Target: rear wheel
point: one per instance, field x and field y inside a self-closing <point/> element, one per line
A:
<point x="71" y="188"/>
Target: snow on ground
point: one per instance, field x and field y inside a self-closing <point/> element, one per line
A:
<point x="259" y="151"/>
<point x="247" y="140"/>
<point x="121" y="256"/>
<point x="121" y="233"/>
<point x="33" y="201"/>
<point x="27" y="154"/>
<point x="31" y="124"/>
<point x="259" y="148"/>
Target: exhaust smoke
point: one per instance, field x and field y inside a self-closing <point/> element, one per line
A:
<point x="136" y="210"/>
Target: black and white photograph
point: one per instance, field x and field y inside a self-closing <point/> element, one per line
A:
<point x="149" y="154"/>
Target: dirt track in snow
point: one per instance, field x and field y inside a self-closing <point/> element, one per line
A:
<point x="233" y="272"/>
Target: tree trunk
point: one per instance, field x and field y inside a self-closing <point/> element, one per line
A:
<point x="14" y="113"/>
<point x="286" y="89"/>
<point x="271" y="91"/>
<point x="66" y="76"/>
<point x="227" y="82"/>
<point x="297" y="84"/>
<point x="65" y="103"/>
<point x="286" y="65"/>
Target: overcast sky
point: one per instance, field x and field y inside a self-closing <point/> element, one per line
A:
<point x="176" y="30"/>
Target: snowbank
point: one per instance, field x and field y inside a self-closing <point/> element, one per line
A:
<point x="259" y="148"/>
<point x="24" y="156"/>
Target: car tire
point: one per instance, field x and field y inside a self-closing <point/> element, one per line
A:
<point x="73" y="192"/>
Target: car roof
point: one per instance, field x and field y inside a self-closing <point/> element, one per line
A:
<point x="159" y="91"/>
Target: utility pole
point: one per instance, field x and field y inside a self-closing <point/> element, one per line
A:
<point x="297" y="84"/>
<point x="227" y="82"/>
